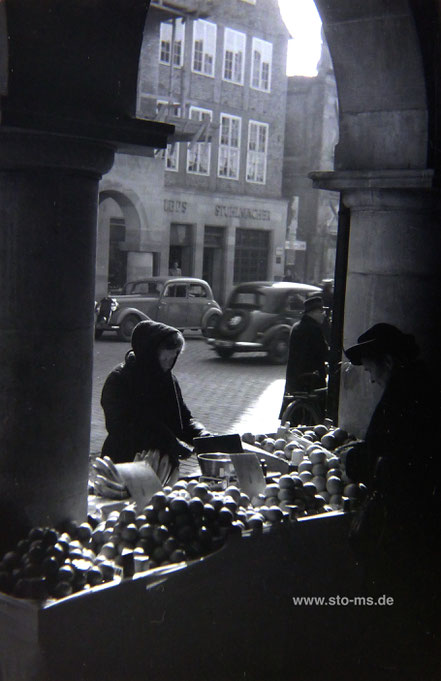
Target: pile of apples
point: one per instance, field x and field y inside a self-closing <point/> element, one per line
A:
<point x="50" y="563"/>
<point x="317" y="468"/>
<point x="181" y="523"/>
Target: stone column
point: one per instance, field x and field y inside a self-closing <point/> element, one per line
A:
<point x="48" y="214"/>
<point x="394" y="270"/>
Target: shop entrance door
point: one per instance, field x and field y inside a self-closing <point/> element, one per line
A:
<point x="181" y="248"/>
<point x="212" y="265"/>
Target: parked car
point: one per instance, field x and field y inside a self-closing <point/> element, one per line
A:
<point x="258" y="317"/>
<point x="182" y="302"/>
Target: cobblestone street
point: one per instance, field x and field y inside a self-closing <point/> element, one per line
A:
<point x="235" y="395"/>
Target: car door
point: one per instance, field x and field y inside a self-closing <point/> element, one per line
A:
<point x="173" y="306"/>
<point x="198" y="302"/>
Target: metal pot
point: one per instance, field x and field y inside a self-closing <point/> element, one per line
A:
<point x="216" y="465"/>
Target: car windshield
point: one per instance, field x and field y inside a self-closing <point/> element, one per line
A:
<point x="145" y="288"/>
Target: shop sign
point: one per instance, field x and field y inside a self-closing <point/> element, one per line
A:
<point x="241" y="212"/>
<point x="175" y="206"/>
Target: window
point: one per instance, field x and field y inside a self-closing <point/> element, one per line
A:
<point x="176" y="291"/>
<point x="198" y="153"/>
<point x="197" y="291"/>
<point x="166" y="38"/>
<point x="204" y="47"/>
<point x="171" y="156"/>
<point x="165" y="108"/>
<point x="257" y="149"/>
<point x="234" y="51"/>
<point x="229" y="145"/>
<point x="251" y="255"/>
<point x="262" y="52"/>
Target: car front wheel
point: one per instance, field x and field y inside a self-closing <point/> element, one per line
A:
<point x="126" y="327"/>
<point x="98" y="333"/>
<point x="209" y="325"/>
<point x="278" y="349"/>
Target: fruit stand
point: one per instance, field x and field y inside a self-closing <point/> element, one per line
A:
<point x="199" y="583"/>
<point x="226" y="615"/>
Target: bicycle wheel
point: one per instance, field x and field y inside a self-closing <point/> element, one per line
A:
<point x="302" y="412"/>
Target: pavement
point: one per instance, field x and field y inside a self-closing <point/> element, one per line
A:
<point x="237" y="395"/>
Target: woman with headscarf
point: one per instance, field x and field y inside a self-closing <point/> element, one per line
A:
<point x="142" y="401"/>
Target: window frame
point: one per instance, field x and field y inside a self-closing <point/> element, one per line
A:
<point x="200" y="110"/>
<point x="235" y="36"/>
<point x="168" y="39"/>
<point x="256" y="152"/>
<point x="198" y="23"/>
<point x="229" y="148"/>
<point x="260" y="46"/>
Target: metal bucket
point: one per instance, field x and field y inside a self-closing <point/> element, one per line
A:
<point x="216" y="465"/>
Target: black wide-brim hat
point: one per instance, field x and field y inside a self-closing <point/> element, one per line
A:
<point x="380" y="340"/>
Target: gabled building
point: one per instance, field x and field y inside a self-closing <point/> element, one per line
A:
<point x="212" y="200"/>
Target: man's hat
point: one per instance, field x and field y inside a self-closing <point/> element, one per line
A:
<point x="314" y="302"/>
<point x="383" y="339"/>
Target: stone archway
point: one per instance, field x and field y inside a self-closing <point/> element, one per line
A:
<point x="386" y="171"/>
<point x="121" y="219"/>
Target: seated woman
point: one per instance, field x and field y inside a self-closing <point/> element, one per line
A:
<point x="142" y="401"/>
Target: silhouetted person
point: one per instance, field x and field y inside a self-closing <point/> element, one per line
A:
<point x="308" y="351"/>
<point x="175" y="270"/>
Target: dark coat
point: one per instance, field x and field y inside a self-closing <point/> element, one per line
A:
<point x="400" y="459"/>
<point x="144" y="409"/>
<point x="308" y="352"/>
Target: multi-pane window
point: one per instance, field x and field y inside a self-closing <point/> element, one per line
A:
<point x="229" y="146"/>
<point x="251" y="255"/>
<point x="198" y="152"/>
<point x="234" y="56"/>
<point x="261" y="60"/>
<point x="171" y="156"/>
<point x="257" y="151"/>
<point x="164" y="109"/>
<point x="167" y="37"/>
<point x="204" y="47"/>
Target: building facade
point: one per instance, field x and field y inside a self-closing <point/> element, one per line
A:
<point x="212" y="201"/>
<point x="311" y="136"/>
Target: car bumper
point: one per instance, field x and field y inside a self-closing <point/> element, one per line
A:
<point x="237" y="346"/>
<point x="104" y="326"/>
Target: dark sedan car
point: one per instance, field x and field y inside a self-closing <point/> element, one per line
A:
<point x="258" y="317"/>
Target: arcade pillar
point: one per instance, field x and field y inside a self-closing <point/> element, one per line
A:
<point x="393" y="272"/>
<point x="48" y="212"/>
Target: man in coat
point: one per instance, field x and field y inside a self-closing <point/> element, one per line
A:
<point x="308" y="350"/>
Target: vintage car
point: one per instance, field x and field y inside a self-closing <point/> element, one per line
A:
<point x="258" y="317"/>
<point x="182" y="302"/>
